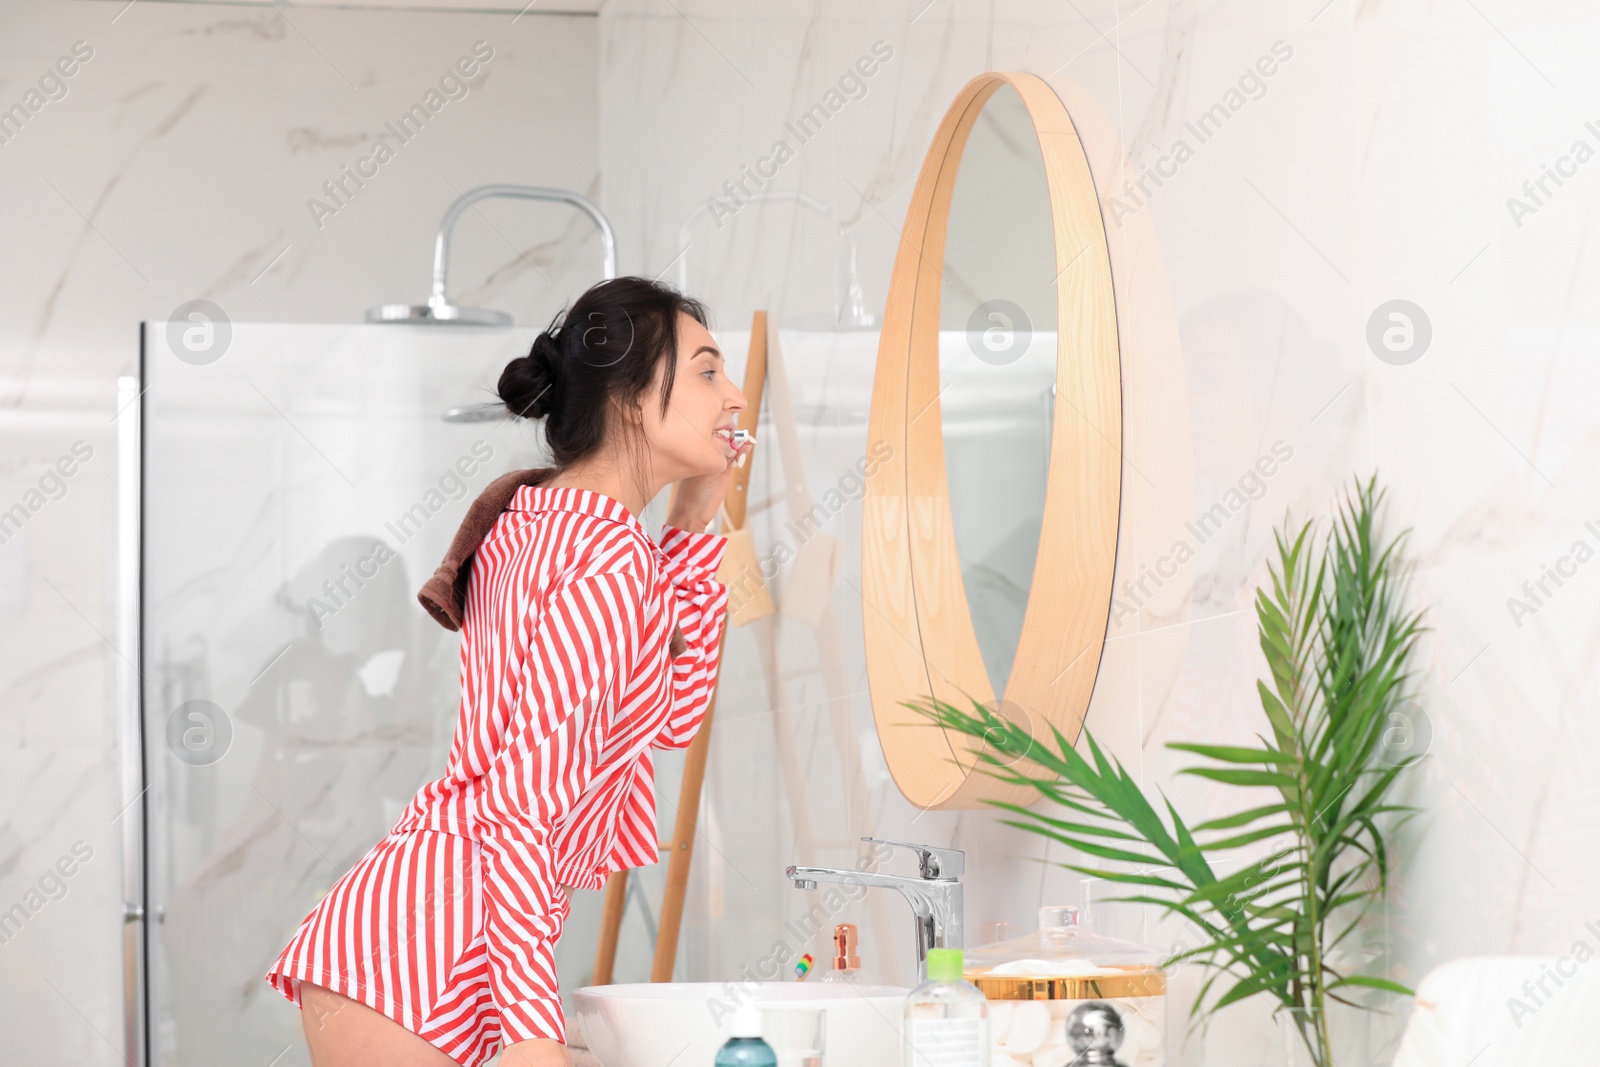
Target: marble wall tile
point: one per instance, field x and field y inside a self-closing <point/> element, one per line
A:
<point x="1374" y="163"/>
<point x="178" y="165"/>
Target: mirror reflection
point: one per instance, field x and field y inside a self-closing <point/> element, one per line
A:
<point x="997" y="369"/>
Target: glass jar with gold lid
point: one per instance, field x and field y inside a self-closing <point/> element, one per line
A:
<point x="1049" y="992"/>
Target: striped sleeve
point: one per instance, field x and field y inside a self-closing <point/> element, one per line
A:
<point x="588" y="630"/>
<point x="702" y="611"/>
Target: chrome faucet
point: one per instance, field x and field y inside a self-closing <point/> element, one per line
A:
<point x="937" y="905"/>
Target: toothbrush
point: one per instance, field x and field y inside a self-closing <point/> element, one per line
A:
<point x="739" y="439"/>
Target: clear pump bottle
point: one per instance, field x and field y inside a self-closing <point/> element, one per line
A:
<point x="947" y="1018"/>
<point x="846" y="964"/>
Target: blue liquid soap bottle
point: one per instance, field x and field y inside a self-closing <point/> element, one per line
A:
<point x="745" y="1047"/>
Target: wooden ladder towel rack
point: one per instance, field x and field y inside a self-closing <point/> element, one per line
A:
<point x="680" y="850"/>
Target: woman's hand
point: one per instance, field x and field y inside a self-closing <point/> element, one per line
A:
<point x="697" y="499"/>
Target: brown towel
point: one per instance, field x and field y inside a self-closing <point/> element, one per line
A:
<point x="445" y="594"/>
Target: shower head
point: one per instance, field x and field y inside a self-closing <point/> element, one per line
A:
<point x="439" y="311"/>
<point x="492" y="412"/>
<point x="431" y="314"/>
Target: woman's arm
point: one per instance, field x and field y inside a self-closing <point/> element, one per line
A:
<point x="702" y="610"/>
<point x="589" y="629"/>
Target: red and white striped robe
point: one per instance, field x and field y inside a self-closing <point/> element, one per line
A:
<point x="448" y="925"/>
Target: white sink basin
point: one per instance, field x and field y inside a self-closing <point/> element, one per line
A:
<point x="683" y="1024"/>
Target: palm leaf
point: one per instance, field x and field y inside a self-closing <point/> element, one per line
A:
<point x="1338" y="645"/>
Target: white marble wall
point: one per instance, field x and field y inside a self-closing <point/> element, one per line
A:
<point x="1375" y="164"/>
<point x="178" y="166"/>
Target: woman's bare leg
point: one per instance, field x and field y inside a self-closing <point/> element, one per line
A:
<point x="341" y="1032"/>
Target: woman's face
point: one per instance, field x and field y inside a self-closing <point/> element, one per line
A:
<point x="695" y="436"/>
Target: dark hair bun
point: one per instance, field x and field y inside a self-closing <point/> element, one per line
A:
<point x="528" y="385"/>
<point x="592" y="369"/>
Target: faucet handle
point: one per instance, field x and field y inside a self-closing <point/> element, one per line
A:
<point x="936" y="863"/>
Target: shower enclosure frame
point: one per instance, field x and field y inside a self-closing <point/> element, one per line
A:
<point x="130" y="716"/>
<point x="134" y="771"/>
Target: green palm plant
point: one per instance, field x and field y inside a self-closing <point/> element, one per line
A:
<point x="1338" y="641"/>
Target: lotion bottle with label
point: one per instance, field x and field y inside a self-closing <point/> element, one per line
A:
<point x="947" y="1018"/>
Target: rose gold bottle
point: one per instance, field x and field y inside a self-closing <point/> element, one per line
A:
<point x="846" y="964"/>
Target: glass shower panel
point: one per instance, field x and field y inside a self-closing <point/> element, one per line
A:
<point x="298" y="487"/>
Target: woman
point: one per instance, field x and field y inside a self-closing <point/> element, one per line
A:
<point x="584" y="645"/>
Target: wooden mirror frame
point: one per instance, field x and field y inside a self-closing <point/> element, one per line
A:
<point x="919" y="633"/>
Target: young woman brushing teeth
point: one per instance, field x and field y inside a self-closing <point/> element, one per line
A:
<point x="585" y="644"/>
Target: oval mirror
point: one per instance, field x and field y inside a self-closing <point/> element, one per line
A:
<point x="989" y="532"/>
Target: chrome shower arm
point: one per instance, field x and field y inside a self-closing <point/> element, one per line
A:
<point x="441" y="243"/>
